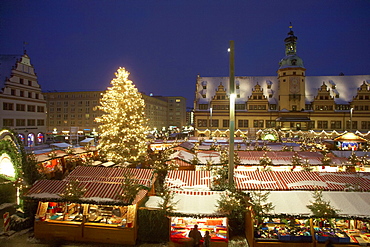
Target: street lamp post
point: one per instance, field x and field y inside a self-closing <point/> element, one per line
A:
<point x="210" y="112"/>
<point x="232" y="114"/>
<point x="351" y="111"/>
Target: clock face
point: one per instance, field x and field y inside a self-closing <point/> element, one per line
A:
<point x="294" y="85"/>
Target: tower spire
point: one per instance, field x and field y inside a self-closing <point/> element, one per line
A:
<point x="290" y="42"/>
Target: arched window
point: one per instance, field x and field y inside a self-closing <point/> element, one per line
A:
<point x="40" y="138"/>
<point x="30" y="140"/>
<point x="21" y="137"/>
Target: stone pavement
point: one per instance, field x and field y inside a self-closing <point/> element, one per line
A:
<point x="25" y="238"/>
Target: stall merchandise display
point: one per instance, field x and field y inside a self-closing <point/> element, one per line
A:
<point x="336" y="235"/>
<point x="180" y="228"/>
<point x="120" y="216"/>
<point x="284" y="230"/>
<point x="358" y="236"/>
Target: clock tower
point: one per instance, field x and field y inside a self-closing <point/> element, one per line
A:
<point x="291" y="76"/>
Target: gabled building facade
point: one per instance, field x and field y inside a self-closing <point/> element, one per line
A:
<point x="289" y="101"/>
<point x="22" y="105"/>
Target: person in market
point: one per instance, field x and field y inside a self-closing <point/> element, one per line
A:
<point x="196" y="236"/>
<point x="328" y="243"/>
<point x="207" y="239"/>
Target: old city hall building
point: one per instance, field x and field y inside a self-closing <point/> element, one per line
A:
<point x="289" y="101"/>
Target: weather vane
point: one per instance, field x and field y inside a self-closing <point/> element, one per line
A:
<point x="24" y="46"/>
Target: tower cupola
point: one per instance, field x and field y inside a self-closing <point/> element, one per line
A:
<point x="291" y="60"/>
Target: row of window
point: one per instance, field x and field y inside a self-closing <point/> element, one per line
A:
<point x="21" y="93"/>
<point x="8" y="122"/>
<point x="69" y="116"/>
<point x="25" y="82"/>
<point x="22" y="107"/>
<point x="73" y="103"/>
<point x="66" y="96"/>
<point x="66" y="110"/>
<point x="243" y="123"/>
<point x="294" y="108"/>
<point x="71" y="123"/>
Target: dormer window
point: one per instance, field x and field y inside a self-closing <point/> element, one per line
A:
<point x="294" y="61"/>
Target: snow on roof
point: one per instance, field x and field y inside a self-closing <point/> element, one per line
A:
<point x="307" y="182"/>
<point x="87" y="140"/>
<point x="348" y="203"/>
<point x="61" y="145"/>
<point x="182" y="155"/>
<point x="190" y="204"/>
<point x="345" y="86"/>
<point x="302" y="180"/>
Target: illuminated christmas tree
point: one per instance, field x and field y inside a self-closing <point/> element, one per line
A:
<point x="122" y="124"/>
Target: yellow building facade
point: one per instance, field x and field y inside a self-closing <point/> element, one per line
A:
<point x="289" y="101"/>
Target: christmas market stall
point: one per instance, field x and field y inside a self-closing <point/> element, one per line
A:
<point x="281" y="216"/>
<point x="92" y="204"/>
<point x="51" y="163"/>
<point x="55" y="163"/>
<point x="195" y="208"/>
<point x="295" y="224"/>
<point x="194" y="204"/>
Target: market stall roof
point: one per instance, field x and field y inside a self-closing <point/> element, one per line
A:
<point x="111" y="175"/>
<point x="108" y="164"/>
<point x="87" y="141"/>
<point x="61" y="145"/>
<point x="96" y="192"/>
<point x="182" y="155"/>
<point x="301" y="180"/>
<point x="101" y="183"/>
<point x="249" y="157"/>
<point x="192" y="180"/>
<point x="349" y="136"/>
<point x="45" y="156"/>
<point x="349" y="204"/>
<point x="193" y="204"/>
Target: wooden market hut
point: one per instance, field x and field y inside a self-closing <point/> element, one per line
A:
<point x="352" y="217"/>
<point x="291" y="192"/>
<point x="98" y="215"/>
<point x="195" y="203"/>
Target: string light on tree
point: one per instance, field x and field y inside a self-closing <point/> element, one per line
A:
<point x="122" y="124"/>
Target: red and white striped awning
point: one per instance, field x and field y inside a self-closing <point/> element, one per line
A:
<point x="110" y="175"/>
<point x="101" y="183"/>
<point x="178" y="179"/>
<point x="301" y="180"/>
<point x="345" y="180"/>
<point x="254" y="180"/>
<point x="180" y="163"/>
<point x="279" y="157"/>
<point x="95" y="191"/>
